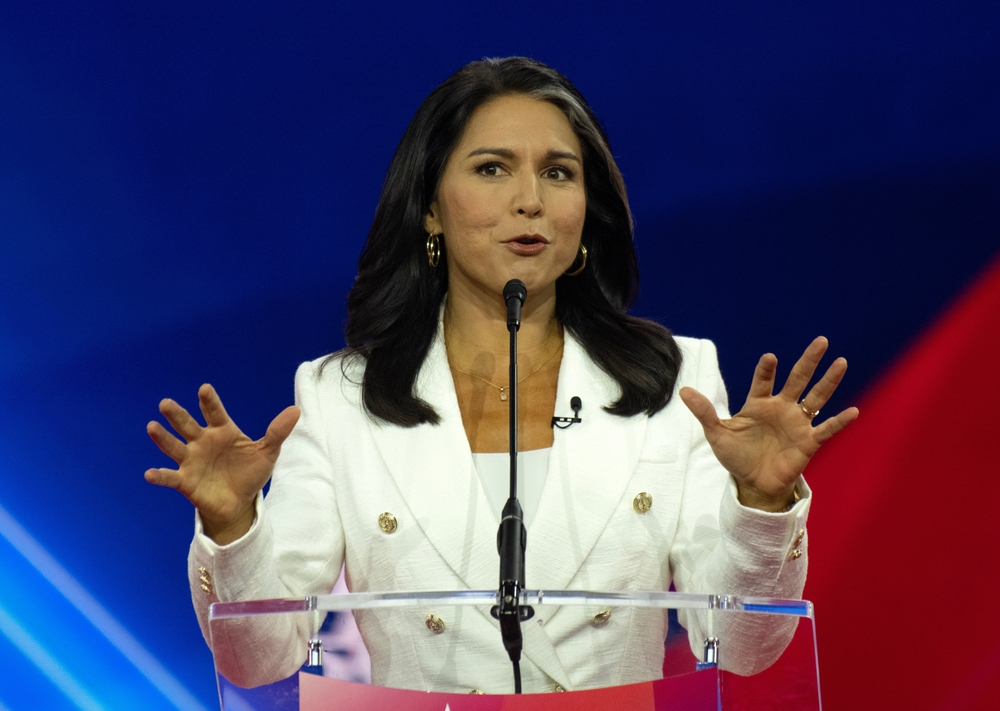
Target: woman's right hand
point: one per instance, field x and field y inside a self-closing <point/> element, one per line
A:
<point x="220" y="469"/>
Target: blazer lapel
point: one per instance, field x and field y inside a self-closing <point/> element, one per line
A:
<point x="590" y="466"/>
<point x="433" y="469"/>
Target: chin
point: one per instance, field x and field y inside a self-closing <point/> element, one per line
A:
<point x="535" y="282"/>
<point x="537" y="287"/>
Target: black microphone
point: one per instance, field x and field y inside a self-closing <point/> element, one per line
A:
<point x="512" y="535"/>
<point x="514" y="293"/>
<point x="575" y="404"/>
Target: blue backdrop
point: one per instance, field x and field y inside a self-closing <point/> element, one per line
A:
<point x="185" y="188"/>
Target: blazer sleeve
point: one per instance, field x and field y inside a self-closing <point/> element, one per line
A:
<point x="723" y="547"/>
<point x="294" y="548"/>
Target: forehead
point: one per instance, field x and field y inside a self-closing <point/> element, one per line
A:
<point x="518" y="121"/>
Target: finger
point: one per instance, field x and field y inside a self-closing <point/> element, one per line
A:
<point x="163" y="477"/>
<point x="835" y="424"/>
<point x="182" y="422"/>
<point x="211" y="407"/>
<point x="803" y="369"/>
<point x="168" y="444"/>
<point x="701" y="407"/>
<point x="279" y="429"/>
<point x="762" y="384"/>
<point x="821" y="392"/>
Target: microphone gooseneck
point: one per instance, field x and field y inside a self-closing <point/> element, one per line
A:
<point x="512" y="535"/>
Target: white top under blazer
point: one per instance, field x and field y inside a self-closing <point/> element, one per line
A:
<point x="340" y="470"/>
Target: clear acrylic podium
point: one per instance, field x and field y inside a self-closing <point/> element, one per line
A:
<point x="689" y="684"/>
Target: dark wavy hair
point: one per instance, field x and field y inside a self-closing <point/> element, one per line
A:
<point x="394" y="305"/>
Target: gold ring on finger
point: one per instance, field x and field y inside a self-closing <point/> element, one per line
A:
<point x="809" y="413"/>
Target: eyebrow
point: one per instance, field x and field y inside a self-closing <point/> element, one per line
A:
<point x="507" y="153"/>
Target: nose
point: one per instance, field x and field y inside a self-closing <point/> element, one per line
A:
<point x="528" y="197"/>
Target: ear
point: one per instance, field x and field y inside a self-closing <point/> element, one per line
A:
<point x="432" y="220"/>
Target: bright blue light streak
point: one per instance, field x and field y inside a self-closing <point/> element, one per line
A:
<point x="800" y="608"/>
<point x="47" y="663"/>
<point x="148" y="665"/>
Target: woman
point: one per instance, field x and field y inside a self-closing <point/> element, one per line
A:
<point x="386" y="461"/>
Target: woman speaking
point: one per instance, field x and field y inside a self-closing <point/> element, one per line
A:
<point x="393" y="460"/>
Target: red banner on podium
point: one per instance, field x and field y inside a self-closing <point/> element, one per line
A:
<point x="690" y="692"/>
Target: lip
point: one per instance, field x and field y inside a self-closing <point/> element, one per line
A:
<point x="526" y="245"/>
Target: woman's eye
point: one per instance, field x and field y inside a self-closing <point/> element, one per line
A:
<point x="557" y="172"/>
<point x="490" y="169"/>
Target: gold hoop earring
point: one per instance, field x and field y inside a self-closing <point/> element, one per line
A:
<point x="433" y="249"/>
<point x="583" y="263"/>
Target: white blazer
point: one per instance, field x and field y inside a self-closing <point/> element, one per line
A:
<point x="340" y="470"/>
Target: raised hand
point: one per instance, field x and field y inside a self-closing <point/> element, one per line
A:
<point x="766" y="445"/>
<point x="220" y="469"/>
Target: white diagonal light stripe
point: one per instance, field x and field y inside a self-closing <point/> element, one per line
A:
<point x="235" y="702"/>
<point x="148" y="665"/>
<point x="45" y="662"/>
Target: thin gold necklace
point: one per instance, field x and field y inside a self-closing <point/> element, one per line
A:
<point x="503" y="388"/>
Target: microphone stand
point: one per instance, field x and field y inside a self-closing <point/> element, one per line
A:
<point x="512" y="536"/>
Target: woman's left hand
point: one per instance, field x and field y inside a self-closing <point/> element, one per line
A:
<point x="766" y="445"/>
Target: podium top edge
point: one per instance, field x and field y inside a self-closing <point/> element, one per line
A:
<point x="628" y="598"/>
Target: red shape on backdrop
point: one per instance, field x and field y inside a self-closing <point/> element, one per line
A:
<point x="904" y="531"/>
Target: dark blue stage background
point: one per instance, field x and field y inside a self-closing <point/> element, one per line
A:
<point x="185" y="187"/>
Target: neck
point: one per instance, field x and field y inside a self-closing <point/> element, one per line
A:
<point x="476" y="329"/>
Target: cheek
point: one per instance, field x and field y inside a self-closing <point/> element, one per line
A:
<point x="569" y="220"/>
<point x="467" y="210"/>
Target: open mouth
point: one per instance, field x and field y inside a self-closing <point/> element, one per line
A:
<point x="527" y="245"/>
<point x="529" y="240"/>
